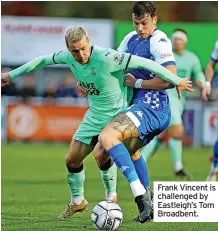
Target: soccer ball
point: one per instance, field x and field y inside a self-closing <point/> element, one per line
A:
<point x="107" y="215"/>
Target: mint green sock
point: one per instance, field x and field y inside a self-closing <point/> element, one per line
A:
<point x="109" y="178"/>
<point x="175" y="146"/>
<point x="76" y="183"/>
<point x="148" y="150"/>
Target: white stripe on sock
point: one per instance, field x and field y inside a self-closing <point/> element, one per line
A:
<point x="110" y="196"/>
<point x="178" y="166"/>
<point x="137" y="188"/>
<point x="76" y="201"/>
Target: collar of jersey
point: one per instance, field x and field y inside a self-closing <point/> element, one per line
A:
<point x="149" y="35"/>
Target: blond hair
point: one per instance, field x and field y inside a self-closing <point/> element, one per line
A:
<point x="74" y="34"/>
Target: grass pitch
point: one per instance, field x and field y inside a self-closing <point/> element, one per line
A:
<point x="34" y="189"/>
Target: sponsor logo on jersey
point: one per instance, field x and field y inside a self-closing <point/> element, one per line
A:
<point x="121" y="60"/>
<point x="93" y="71"/>
<point x="163" y="40"/>
<point x="117" y="58"/>
<point x="90" y="88"/>
<point x="165" y="55"/>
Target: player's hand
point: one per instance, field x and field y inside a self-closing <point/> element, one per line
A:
<point x="82" y="91"/>
<point x="206" y="92"/>
<point x="5" y="79"/>
<point x="184" y="85"/>
<point x="129" y="80"/>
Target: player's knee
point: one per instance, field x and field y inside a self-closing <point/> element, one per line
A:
<point x="102" y="139"/>
<point x="107" y="139"/>
<point x="177" y="132"/>
<point x="161" y="137"/>
<point x="72" y="162"/>
<point x="177" y="135"/>
<point x="100" y="156"/>
<point x="101" y="160"/>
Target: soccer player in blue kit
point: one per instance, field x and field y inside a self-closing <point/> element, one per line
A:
<point x="213" y="173"/>
<point x="149" y="113"/>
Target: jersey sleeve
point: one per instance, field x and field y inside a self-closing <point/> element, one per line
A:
<point x="196" y="67"/>
<point x="114" y="60"/>
<point x="214" y="55"/>
<point x="61" y="57"/>
<point x="123" y="47"/>
<point x="161" y="49"/>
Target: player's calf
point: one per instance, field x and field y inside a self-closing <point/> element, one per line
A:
<point x="141" y="169"/>
<point x="76" y="177"/>
<point x="175" y="145"/>
<point x="108" y="172"/>
<point x="213" y="173"/>
<point x="101" y="156"/>
<point x="215" y="155"/>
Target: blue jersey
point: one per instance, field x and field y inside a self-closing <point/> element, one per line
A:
<point x="214" y="55"/>
<point x="158" y="48"/>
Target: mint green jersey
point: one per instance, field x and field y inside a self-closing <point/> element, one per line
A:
<point x="103" y="79"/>
<point x="188" y="65"/>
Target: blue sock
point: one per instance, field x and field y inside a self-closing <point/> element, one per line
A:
<point x="121" y="158"/>
<point x="142" y="171"/>
<point x="215" y="155"/>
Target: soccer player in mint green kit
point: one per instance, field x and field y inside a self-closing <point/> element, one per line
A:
<point x="101" y="73"/>
<point x="188" y="65"/>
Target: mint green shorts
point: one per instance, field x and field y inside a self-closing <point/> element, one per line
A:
<point x="91" y="127"/>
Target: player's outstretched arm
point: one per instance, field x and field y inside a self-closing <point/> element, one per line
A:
<point x="35" y="64"/>
<point x="200" y="80"/>
<point x="162" y="72"/>
<point x="209" y="72"/>
<point x="151" y="84"/>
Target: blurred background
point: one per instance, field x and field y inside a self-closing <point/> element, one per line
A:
<point x="30" y="29"/>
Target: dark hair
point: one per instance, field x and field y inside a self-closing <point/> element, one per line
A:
<point x="178" y="29"/>
<point x="139" y="9"/>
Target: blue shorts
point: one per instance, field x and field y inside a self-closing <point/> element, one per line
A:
<point x="150" y="122"/>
